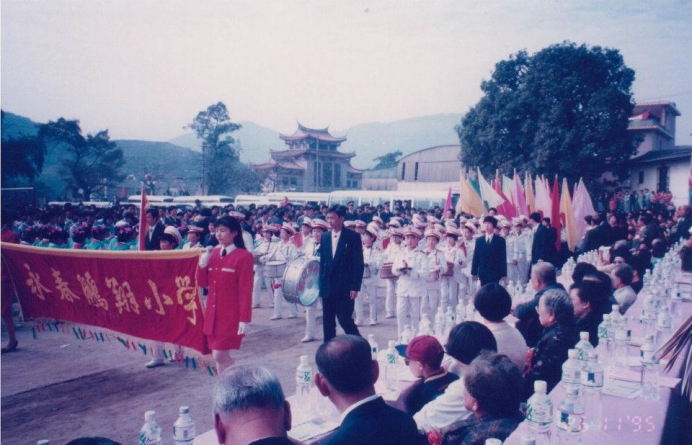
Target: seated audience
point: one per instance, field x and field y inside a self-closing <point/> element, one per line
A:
<point x="250" y="408"/>
<point x="545" y="359"/>
<point x="466" y="341"/>
<point x="347" y="375"/>
<point x="424" y="356"/>
<point x="543" y="278"/>
<point x="590" y="301"/>
<point x="581" y="270"/>
<point x="493" y="304"/>
<point x="624" y="294"/>
<point x="493" y="393"/>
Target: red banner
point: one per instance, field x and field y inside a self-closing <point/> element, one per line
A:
<point x="150" y="295"/>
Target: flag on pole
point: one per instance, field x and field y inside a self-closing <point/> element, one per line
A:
<point x="506" y="208"/>
<point x="530" y="198"/>
<point x="448" y="202"/>
<point x="490" y="196"/>
<point x="555" y="213"/>
<point x="543" y="204"/>
<point x="469" y="199"/>
<point x="582" y="206"/>
<point x="567" y="213"/>
<point x="507" y="186"/>
<point x="143" y="228"/>
<point x="519" y="196"/>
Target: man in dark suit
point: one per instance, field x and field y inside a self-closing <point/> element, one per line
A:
<point x="347" y="375"/>
<point x="249" y="407"/>
<point x="543" y="246"/>
<point x="683" y="224"/>
<point x="154" y="230"/>
<point x="341" y="274"/>
<point x="490" y="255"/>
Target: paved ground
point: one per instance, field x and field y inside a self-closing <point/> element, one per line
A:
<point x="59" y="388"/>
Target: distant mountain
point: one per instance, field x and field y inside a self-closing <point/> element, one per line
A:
<point x="367" y="140"/>
<point x="255" y="141"/>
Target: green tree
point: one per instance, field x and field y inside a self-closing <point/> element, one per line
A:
<point x="91" y="163"/>
<point x="22" y="158"/>
<point x="387" y="161"/>
<point x="563" y="110"/>
<point x="220" y="152"/>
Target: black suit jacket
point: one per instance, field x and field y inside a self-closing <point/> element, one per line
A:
<point x="543" y="247"/>
<point x="153" y="243"/>
<point x="601" y="235"/>
<point x="344" y="272"/>
<point x="490" y="261"/>
<point x="375" y="422"/>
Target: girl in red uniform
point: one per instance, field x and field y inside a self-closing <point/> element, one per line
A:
<point x="227" y="272"/>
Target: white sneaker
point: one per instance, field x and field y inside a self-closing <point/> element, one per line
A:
<point x="292" y="316"/>
<point x="154" y="363"/>
<point x="307" y="339"/>
<point x="276" y="317"/>
<point x="373" y="323"/>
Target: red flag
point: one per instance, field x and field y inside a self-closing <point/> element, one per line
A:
<point x="506" y="208"/>
<point x="555" y="214"/>
<point x="448" y="202"/>
<point x="143" y="221"/>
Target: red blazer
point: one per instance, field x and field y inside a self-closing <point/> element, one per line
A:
<point x="229" y="301"/>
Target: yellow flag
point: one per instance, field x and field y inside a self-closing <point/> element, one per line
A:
<point x="469" y="200"/>
<point x="528" y="188"/>
<point x="567" y="214"/>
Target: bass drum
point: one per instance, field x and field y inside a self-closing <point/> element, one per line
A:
<point x="301" y="281"/>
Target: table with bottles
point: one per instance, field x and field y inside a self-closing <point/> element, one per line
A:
<point x="640" y="403"/>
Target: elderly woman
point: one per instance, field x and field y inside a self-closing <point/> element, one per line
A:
<point x="465" y="343"/>
<point x="544" y="361"/>
<point x="590" y="301"/>
<point x="492" y="393"/>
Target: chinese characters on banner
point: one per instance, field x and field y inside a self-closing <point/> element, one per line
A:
<point x="150" y="295"/>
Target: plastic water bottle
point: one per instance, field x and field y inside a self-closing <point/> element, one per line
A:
<point x="539" y="412"/>
<point x="592" y="388"/>
<point x="604" y="338"/>
<point x="518" y="291"/>
<point x="392" y="358"/>
<point x="406" y="335"/>
<point x="510" y="289"/>
<point x="621" y="358"/>
<point x="184" y="428"/>
<point x="470" y="311"/>
<point x="649" y="374"/>
<point x="570" y="417"/>
<point x="303" y="378"/>
<point x="664" y="324"/>
<point x="460" y="315"/>
<point x="648" y="315"/>
<point x="150" y="434"/>
<point x="374" y="347"/>
<point x="571" y="370"/>
<point x="616" y="319"/>
<point x="583" y="347"/>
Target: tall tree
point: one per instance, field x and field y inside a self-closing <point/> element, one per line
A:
<point x="92" y="163"/>
<point x="220" y="152"/>
<point x="563" y="110"/>
<point x="387" y="160"/>
<point x="22" y="158"/>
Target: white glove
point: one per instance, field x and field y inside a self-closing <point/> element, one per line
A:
<point x="243" y="328"/>
<point x="204" y="257"/>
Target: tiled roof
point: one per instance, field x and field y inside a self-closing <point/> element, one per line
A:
<point x="303" y="132"/>
<point x="680" y="152"/>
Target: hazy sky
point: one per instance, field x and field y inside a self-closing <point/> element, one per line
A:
<point x="144" y="69"/>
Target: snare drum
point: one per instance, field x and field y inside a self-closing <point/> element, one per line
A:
<point x="301" y="281"/>
<point x="450" y="270"/>
<point x="274" y="269"/>
<point x="256" y="259"/>
<point x="386" y="272"/>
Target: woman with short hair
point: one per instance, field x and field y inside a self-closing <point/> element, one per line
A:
<point x="492" y="393"/>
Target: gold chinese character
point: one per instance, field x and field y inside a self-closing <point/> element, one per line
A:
<point x="34" y="283"/>
<point x="63" y="288"/>
<point x="91" y="291"/>
<point x="124" y="298"/>
<point x="187" y="294"/>
<point x="166" y="300"/>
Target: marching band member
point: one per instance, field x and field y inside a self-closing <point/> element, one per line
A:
<point x="194" y="234"/>
<point x="513" y="245"/>
<point x="262" y="250"/>
<point x="411" y="266"/>
<point x="368" y="289"/>
<point x="449" y="292"/>
<point x="437" y="265"/>
<point x="284" y="251"/>
<point x="312" y="251"/>
<point x="524" y="241"/>
<point x="468" y="245"/>
<point x="301" y="240"/>
<point x="247" y="236"/>
<point x="393" y="248"/>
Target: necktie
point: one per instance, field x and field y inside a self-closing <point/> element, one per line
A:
<point x="487" y="239"/>
<point x="223" y="252"/>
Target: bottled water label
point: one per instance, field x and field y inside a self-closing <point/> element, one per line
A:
<point x="572" y="423"/>
<point x="144" y="440"/>
<point x="183" y="434"/>
<point x="540" y="414"/>
<point x="573" y="376"/>
<point x="646" y="356"/>
<point x="303" y="376"/>
<point x="592" y="379"/>
<point x="391" y="358"/>
<point x="374" y="351"/>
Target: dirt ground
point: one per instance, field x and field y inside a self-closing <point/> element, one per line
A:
<point x="60" y="388"/>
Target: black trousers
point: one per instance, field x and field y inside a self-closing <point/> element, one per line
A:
<point x="338" y="308"/>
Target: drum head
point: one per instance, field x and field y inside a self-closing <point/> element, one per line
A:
<point x="301" y="281"/>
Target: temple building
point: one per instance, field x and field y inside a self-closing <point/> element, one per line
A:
<point x="312" y="163"/>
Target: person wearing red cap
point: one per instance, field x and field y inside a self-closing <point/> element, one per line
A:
<point x="424" y="356"/>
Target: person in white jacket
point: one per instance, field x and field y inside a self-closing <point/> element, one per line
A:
<point x="393" y="248"/>
<point x="284" y="251"/>
<point x="437" y="265"/>
<point x="311" y="249"/>
<point x="372" y="258"/>
<point x="264" y="246"/>
<point x="449" y="291"/>
<point x="411" y="266"/>
<point x="513" y="247"/>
